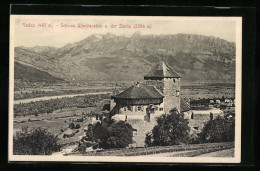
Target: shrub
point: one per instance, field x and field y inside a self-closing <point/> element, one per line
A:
<point x="77" y="126"/>
<point x="72" y="126"/>
<point x="69" y="135"/>
<point x="148" y="139"/>
<point x="34" y="142"/>
<point x="118" y="135"/>
<point x="89" y="133"/>
<point x="95" y="132"/>
<point x="218" y="130"/>
<point x="171" y="129"/>
<point x="83" y="145"/>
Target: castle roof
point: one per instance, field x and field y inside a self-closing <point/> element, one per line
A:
<point x="101" y="107"/>
<point x="162" y="70"/>
<point x="184" y="106"/>
<point x="140" y="91"/>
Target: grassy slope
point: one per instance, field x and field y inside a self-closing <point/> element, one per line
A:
<point x="27" y="73"/>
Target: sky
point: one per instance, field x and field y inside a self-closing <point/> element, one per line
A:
<point x="57" y="36"/>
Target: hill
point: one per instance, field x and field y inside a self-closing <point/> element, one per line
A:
<point x="114" y="58"/>
<point x="33" y="75"/>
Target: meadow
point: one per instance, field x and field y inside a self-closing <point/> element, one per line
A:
<point x="59" y="119"/>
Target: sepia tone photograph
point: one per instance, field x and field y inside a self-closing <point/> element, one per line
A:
<point x="125" y="89"/>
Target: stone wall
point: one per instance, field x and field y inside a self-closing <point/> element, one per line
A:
<point x="142" y="127"/>
<point x="171" y="94"/>
<point x="197" y="121"/>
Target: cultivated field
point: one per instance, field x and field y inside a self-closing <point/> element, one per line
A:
<point x="54" y="122"/>
<point x="208" y="91"/>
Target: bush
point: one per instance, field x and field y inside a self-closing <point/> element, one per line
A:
<point x="171" y="129"/>
<point x="118" y="135"/>
<point x="72" y="126"/>
<point x="77" y="126"/>
<point x="69" y="135"/>
<point x="218" y="130"/>
<point x="35" y="142"/>
<point x="95" y="132"/>
<point x="90" y="133"/>
<point x="83" y="145"/>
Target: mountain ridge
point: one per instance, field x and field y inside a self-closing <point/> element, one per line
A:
<point x="110" y="57"/>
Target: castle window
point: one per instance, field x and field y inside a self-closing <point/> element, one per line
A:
<point x="160" y="109"/>
<point x="96" y="117"/>
<point x="173" y="80"/>
<point x="129" y="108"/>
<point x="139" y="108"/>
<point x="177" y="93"/>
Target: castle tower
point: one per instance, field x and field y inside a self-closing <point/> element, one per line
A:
<point x="167" y="81"/>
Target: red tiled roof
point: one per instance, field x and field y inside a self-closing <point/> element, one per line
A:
<point x="162" y="70"/>
<point x="140" y="91"/>
<point x="184" y="106"/>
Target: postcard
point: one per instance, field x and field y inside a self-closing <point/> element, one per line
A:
<point x="150" y="89"/>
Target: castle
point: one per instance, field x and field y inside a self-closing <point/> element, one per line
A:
<point x="158" y="94"/>
<point x="142" y="103"/>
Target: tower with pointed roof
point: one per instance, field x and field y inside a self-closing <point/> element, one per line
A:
<point x="167" y="81"/>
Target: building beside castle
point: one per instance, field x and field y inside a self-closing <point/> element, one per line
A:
<point x="158" y="94"/>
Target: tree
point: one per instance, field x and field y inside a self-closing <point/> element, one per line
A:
<point x="218" y="130"/>
<point x="118" y="135"/>
<point x="171" y="129"/>
<point x="34" y="142"/>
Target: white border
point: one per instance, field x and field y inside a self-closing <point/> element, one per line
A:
<point x="238" y="92"/>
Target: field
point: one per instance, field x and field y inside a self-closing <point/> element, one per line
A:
<point x="208" y="91"/>
<point x="185" y="150"/>
<point x="59" y="119"/>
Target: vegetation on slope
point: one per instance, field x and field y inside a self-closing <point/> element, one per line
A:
<point x="30" y="74"/>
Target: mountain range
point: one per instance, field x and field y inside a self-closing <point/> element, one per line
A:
<point x="110" y="57"/>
